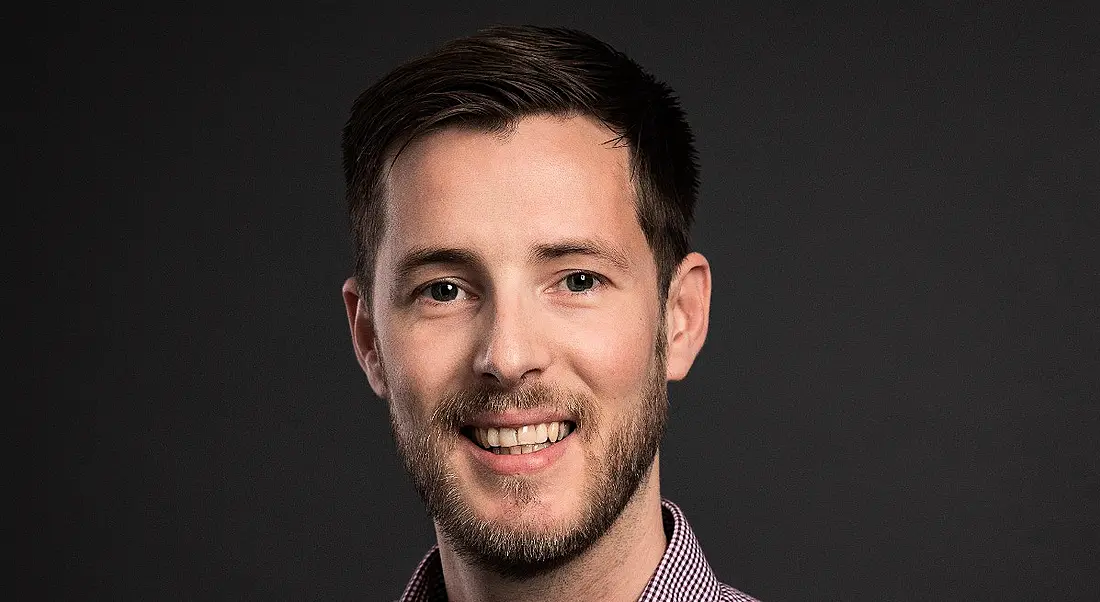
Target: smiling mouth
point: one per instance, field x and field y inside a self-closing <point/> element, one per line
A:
<point x="525" y="439"/>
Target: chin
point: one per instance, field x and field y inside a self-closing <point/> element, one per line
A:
<point x="533" y="511"/>
<point x="526" y="503"/>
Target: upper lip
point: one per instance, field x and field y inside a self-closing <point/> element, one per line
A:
<point x="517" y="418"/>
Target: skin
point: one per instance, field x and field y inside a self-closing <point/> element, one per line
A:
<point x="549" y="183"/>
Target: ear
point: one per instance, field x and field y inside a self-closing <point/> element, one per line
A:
<point x="363" y="338"/>
<point x="687" y="314"/>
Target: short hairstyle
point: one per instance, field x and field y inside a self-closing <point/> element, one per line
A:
<point x="493" y="79"/>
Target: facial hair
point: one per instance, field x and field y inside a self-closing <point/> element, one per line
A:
<point x="613" y="475"/>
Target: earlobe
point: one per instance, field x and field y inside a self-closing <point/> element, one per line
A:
<point x="687" y="314"/>
<point x="364" y="339"/>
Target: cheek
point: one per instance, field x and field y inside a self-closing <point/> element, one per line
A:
<point x="422" y="365"/>
<point x="616" y="355"/>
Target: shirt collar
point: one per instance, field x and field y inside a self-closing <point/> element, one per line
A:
<point x="683" y="573"/>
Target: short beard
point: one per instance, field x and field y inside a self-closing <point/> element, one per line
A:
<point x="613" y="477"/>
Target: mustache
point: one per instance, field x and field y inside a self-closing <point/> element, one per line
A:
<point x="458" y="410"/>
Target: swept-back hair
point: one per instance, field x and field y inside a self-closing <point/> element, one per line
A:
<point x="500" y="75"/>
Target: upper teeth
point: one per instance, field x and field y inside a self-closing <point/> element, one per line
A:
<point x="528" y="434"/>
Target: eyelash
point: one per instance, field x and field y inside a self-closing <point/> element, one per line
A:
<point x="422" y="293"/>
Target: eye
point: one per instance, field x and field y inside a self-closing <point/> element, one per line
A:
<point x="578" y="282"/>
<point x="442" y="291"/>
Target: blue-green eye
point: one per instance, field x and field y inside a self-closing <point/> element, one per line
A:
<point x="578" y="282"/>
<point x="443" y="291"/>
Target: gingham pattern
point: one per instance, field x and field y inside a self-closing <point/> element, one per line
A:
<point x="682" y="576"/>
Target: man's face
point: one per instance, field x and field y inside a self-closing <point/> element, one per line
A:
<point x="515" y="295"/>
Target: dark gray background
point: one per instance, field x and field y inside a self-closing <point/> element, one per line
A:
<point x="897" y="400"/>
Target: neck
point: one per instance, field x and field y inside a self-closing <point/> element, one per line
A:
<point x="615" y="569"/>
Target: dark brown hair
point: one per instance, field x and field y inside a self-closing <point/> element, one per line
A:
<point x="496" y="77"/>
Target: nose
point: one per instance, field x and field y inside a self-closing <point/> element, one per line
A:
<point x="511" y="348"/>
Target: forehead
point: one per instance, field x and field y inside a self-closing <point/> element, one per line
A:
<point x="545" y="179"/>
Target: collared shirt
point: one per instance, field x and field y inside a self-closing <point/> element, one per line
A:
<point x="682" y="576"/>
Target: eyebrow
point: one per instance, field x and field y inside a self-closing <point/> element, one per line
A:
<point x="588" y="247"/>
<point x="418" y="258"/>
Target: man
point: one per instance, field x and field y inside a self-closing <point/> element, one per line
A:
<point x="523" y="291"/>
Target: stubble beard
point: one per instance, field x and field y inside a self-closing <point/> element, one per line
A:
<point x="613" y="474"/>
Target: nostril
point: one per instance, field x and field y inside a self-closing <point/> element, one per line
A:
<point x="507" y="380"/>
<point x="509" y="353"/>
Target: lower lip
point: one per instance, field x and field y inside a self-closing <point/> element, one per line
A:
<point x="519" y="463"/>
